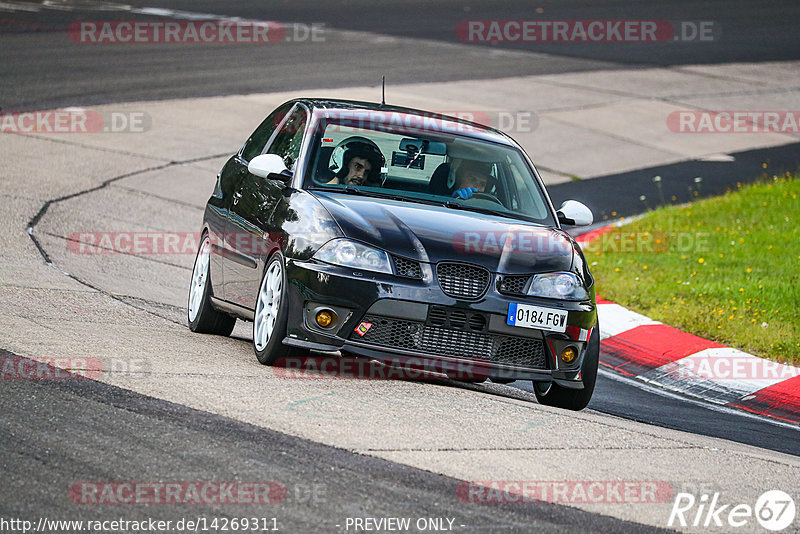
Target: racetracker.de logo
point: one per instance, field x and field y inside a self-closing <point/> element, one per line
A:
<point x="398" y="368"/>
<point x="513" y="241"/>
<point x="435" y="121"/>
<point x="51" y="368"/>
<point x="80" y="121"/>
<point x="145" y="243"/>
<point x="729" y="364"/>
<point x="193" y="32"/>
<point x="734" y="121"/>
<point x="507" y="121"/>
<point x="197" y="492"/>
<point x="586" y="31"/>
<point x="565" y="491"/>
<point x="647" y="242"/>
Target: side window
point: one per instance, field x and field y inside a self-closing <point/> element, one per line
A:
<point x="258" y="140"/>
<point x="287" y="143"/>
<point x="525" y="190"/>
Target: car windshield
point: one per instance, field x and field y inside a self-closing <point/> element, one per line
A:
<point x="424" y="166"/>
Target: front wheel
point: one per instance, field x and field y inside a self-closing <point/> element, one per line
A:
<point x="203" y="318"/>
<point x="551" y="394"/>
<point x="269" y="324"/>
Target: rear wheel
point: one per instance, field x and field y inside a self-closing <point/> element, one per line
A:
<point x="203" y="318"/>
<point x="551" y="394"/>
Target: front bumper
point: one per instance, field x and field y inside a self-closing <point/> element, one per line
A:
<point x="413" y="320"/>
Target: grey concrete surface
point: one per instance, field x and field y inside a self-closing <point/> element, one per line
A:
<point x="66" y="425"/>
<point x="407" y="40"/>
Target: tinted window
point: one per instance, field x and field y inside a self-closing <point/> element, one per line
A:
<point x="255" y="145"/>
<point x="430" y="165"/>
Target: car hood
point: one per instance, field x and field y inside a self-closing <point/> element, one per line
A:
<point x="433" y="233"/>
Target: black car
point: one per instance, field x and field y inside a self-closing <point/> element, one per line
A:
<point x="398" y="235"/>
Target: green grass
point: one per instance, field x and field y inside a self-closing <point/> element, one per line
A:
<point x="724" y="268"/>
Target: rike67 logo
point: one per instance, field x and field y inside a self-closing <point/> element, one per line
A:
<point x="774" y="510"/>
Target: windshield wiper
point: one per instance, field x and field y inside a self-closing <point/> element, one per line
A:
<point x="352" y="190"/>
<point x="507" y="215"/>
<point x="456" y="206"/>
<point x="355" y="191"/>
<point x="401" y="198"/>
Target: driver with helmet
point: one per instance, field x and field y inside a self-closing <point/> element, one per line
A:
<point x="472" y="177"/>
<point x="361" y="163"/>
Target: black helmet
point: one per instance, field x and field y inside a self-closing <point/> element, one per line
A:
<point x="360" y="147"/>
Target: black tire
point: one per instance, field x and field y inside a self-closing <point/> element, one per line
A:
<point x="274" y="347"/>
<point x="207" y="320"/>
<point x="574" y="399"/>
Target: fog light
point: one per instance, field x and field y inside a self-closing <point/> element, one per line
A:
<point x="325" y="318"/>
<point x="569" y="354"/>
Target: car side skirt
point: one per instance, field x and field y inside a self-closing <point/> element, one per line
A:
<point x="240" y="312"/>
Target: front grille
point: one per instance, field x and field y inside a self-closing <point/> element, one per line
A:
<point x="425" y="337"/>
<point x="457" y="319"/>
<point x="519" y="351"/>
<point x="514" y="284"/>
<point x="407" y="268"/>
<point x="462" y="281"/>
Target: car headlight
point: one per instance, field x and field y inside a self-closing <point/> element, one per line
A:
<point x="348" y="253"/>
<point x="558" y="286"/>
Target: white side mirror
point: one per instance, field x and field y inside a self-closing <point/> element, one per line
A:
<point x="574" y="213"/>
<point x="268" y="166"/>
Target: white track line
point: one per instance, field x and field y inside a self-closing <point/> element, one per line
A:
<point x="714" y="407"/>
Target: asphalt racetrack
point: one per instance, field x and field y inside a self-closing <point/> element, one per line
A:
<point x="167" y="405"/>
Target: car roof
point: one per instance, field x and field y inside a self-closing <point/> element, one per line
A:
<point x="335" y="108"/>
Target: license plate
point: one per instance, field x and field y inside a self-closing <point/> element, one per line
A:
<point x="528" y="316"/>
